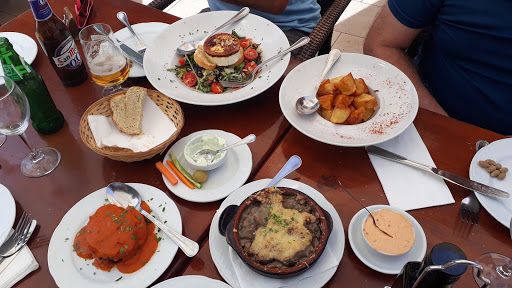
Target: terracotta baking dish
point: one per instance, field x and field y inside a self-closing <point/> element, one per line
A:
<point x="231" y="217"/>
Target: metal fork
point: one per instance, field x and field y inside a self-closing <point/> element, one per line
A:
<point x="141" y="47"/>
<point x="8" y="248"/>
<point x="470" y="206"/>
<point x="250" y="76"/>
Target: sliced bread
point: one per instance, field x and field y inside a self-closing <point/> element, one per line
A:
<point x="202" y="59"/>
<point x="127" y="110"/>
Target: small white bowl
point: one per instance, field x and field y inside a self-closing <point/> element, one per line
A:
<point x="380" y="252"/>
<point x="197" y="166"/>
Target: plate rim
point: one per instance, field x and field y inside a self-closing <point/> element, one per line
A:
<point x="10" y="202"/>
<point x="207" y="280"/>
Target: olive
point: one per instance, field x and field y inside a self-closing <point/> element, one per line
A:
<point x="200" y="176"/>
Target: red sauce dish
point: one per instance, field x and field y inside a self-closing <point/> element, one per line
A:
<point x="117" y="237"/>
<point x="277" y="232"/>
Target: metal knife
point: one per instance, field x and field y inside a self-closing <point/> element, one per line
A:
<point x="130" y="53"/>
<point x="4" y="262"/>
<point x="461" y="181"/>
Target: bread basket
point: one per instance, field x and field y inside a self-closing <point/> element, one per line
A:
<point x="170" y="108"/>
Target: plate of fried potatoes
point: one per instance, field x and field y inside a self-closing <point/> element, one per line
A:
<point x="363" y="100"/>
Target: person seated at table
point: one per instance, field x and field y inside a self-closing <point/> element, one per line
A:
<point x="464" y="67"/>
<point x="296" y="18"/>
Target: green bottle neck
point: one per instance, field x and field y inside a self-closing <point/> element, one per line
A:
<point x="13" y="65"/>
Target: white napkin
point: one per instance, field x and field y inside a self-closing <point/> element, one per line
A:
<point x="22" y="264"/>
<point x="156" y="128"/>
<point x="406" y="187"/>
<point x="250" y="279"/>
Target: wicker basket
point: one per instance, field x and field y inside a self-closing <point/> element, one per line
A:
<point x="102" y="107"/>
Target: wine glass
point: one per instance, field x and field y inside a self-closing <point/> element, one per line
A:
<point x="2" y="139"/>
<point x="14" y="120"/>
<point x="107" y="64"/>
<point x="497" y="268"/>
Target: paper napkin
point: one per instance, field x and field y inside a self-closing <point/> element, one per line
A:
<point x="156" y="128"/>
<point x="406" y="187"/>
<point x="23" y="263"/>
<point x="247" y="278"/>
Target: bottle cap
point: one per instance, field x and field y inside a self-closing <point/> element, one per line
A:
<point x="441" y="254"/>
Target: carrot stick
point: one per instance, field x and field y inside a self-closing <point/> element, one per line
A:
<point x="180" y="175"/>
<point x="166" y="173"/>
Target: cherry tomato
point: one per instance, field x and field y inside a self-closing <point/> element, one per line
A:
<point x="190" y="79"/>
<point x="250" y="54"/>
<point x="217" y="87"/>
<point x="249" y="67"/>
<point x="245" y="43"/>
<point x="182" y="61"/>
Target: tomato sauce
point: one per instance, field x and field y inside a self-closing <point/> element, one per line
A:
<point x="117" y="237"/>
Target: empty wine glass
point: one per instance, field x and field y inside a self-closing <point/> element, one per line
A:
<point x="14" y="120"/>
<point x="107" y="64"/>
<point x="497" y="268"/>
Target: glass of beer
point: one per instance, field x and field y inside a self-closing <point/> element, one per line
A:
<point x="107" y="64"/>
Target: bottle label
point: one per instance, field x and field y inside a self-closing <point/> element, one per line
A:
<point x="67" y="55"/>
<point x="40" y="9"/>
<point x="11" y="72"/>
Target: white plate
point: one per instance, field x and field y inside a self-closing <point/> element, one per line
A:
<point x="395" y="93"/>
<point x="375" y="260"/>
<point x="25" y="46"/>
<point x="7" y="212"/>
<point x="191" y="281"/>
<point x="221" y="181"/>
<point x="499" y="151"/>
<point x="159" y="58"/>
<point x="220" y="249"/>
<point x="147" y="32"/>
<point x="69" y="270"/>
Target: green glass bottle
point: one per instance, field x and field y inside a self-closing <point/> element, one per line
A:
<point x="45" y="116"/>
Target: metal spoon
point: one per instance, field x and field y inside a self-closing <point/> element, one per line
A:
<point x="141" y="47"/>
<point x="375" y="223"/>
<point x="291" y="165"/>
<point x="191" y="46"/>
<point x="309" y="104"/>
<point x="209" y="154"/>
<point x="123" y="195"/>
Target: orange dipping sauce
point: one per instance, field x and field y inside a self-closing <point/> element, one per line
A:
<point x="117" y="237"/>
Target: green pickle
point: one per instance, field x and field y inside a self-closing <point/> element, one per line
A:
<point x="46" y="118"/>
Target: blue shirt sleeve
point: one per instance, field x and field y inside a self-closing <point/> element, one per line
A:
<point x="415" y="14"/>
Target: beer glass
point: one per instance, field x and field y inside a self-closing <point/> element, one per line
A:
<point x="14" y="120"/>
<point x="107" y="64"/>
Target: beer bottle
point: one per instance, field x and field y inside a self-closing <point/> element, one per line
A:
<point x="58" y="44"/>
<point x="46" y="118"/>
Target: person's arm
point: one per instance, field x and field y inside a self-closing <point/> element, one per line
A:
<point x="275" y="7"/>
<point x="387" y="40"/>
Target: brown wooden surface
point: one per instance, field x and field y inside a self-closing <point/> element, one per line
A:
<point x="452" y="146"/>
<point x="81" y="171"/>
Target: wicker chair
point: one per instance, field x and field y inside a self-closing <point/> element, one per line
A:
<point x="320" y="37"/>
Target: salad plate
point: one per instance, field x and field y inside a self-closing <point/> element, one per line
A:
<point x="159" y="58"/>
<point x="7" y="212"/>
<point x="396" y="97"/>
<point x="222" y="254"/>
<point x="223" y="180"/>
<point x="147" y="32"/>
<point x="499" y="151"/>
<point x="69" y="270"/>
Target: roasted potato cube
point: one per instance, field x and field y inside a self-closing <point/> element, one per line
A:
<point x="367" y="114"/>
<point x="361" y="87"/>
<point x="357" y="116"/>
<point x="326" y="114"/>
<point x="326" y="88"/>
<point x="340" y="114"/>
<point x="346" y="85"/>
<point x="336" y="80"/>
<point x="352" y="109"/>
<point x="326" y="101"/>
<point x="365" y="100"/>
<point x="342" y="99"/>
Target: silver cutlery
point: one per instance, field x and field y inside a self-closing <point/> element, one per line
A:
<point x="191" y="46"/>
<point x="141" y="47"/>
<point x="9" y="246"/>
<point x="470" y="206"/>
<point x="7" y="260"/>
<point x="129" y="52"/>
<point x="309" y="104"/>
<point x="250" y="76"/>
<point x="461" y="181"/>
<point x="291" y="165"/>
<point x="209" y="154"/>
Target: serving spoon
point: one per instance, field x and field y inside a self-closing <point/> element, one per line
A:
<point x="309" y="104"/>
<point x="209" y="154"/>
<point x="123" y="195"/>
<point x="191" y="46"/>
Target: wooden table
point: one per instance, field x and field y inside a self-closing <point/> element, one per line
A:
<point x="81" y="171"/>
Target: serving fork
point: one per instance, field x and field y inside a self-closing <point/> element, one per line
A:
<point x="18" y="238"/>
<point x="250" y="76"/>
<point x="469" y="206"/>
<point x="141" y="47"/>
